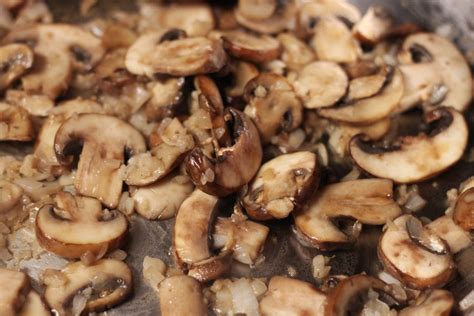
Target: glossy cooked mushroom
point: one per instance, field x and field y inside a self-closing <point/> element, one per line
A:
<point x="181" y="295"/>
<point x="434" y="302"/>
<point x="439" y="149"/>
<point x="15" y="60"/>
<point x="463" y="214"/>
<point x="77" y="226"/>
<point x="13" y="292"/>
<point x="15" y="123"/>
<point x="102" y="153"/>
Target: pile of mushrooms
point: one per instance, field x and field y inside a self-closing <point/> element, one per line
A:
<point x="226" y="120"/>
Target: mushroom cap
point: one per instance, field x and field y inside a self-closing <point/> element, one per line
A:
<point x="15" y="60"/>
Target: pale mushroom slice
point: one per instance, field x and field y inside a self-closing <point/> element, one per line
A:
<point x="454" y="235"/>
<point x="99" y="287"/>
<point x="371" y="109"/>
<point x="15" y="123"/>
<point x="321" y="84"/>
<point x="295" y="52"/>
<point x="196" y="19"/>
<point x="34" y="306"/>
<point x="102" y="153"/>
<point x="13" y="292"/>
<point x="282" y="185"/>
<point x="433" y="302"/>
<point x="257" y="9"/>
<point x="368" y="201"/>
<point x="181" y="295"/>
<point x="463" y="214"/>
<point x="376" y="23"/>
<point x="409" y="260"/>
<point x="287" y="296"/>
<point x="432" y="49"/>
<point x="15" y="60"/>
<point x="161" y="200"/>
<point x="367" y="86"/>
<point x="10" y="196"/>
<point x="137" y="59"/>
<point x="417" y="157"/>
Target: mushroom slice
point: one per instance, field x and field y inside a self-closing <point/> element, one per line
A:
<point x="35" y="104"/>
<point x="15" y="59"/>
<point x="435" y="302"/>
<point x="196" y="19"/>
<point x="232" y="167"/>
<point x="369" y="110"/>
<point x="12" y="296"/>
<point x="369" y="201"/>
<point x="15" y="123"/>
<point x="242" y="74"/>
<point x="273" y="105"/>
<point x="366" y="86"/>
<point x="413" y="265"/>
<point x="102" y="285"/>
<point x="162" y="200"/>
<point x="440" y="149"/>
<point x="463" y="214"/>
<point x="282" y="185"/>
<point x="76" y="225"/>
<point x="211" y="269"/>
<point x="251" y="47"/>
<point x="286" y="296"/>
<point x="432" y="49"/>
<point x="257" y="9"/>
<point x="181" y="295"/>
<point x="296" y="53"/>
<point x="374" y="25"/>
<point x="138" y="55"/>
<point x="10" y="196"/>
<point x="102" y="153"/>
<point x="333" y="41"/>
<point x="321" y="84"/>
<point x="167" y="97"/>
<point x="456" y="237"/>
<point x="34" y="306"/>
<point x="424" y="238"/>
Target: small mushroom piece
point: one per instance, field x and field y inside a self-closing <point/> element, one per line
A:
<point x="181" y="295"/>
<point x="372" y="109"/>
<point x="240" y="76"/>
<point x="321" y="84"/>
<point x="438" y="150"/>
<point x="211" y="269"/>
<point x="257" y="9"/>
<point x="167" y="97"/>
<point x="102" y="153"/>
<point x="196" y="19"/>
<point x="424" y="238"/>
<point x="15" y="59"/>
<point x="435" y="302"/>
<point x="366" y="86"/>
<point x="35" y="104"/>
<point x="76" y="225"/>
<point x="10" y="196"/>
<point x="415" y="266"/>
<point x="34" y="306"/>
<point x="286" y="296"/>
<point x="376" y="23"/>
<point x="15" y="123"/>
<point x="13" y="292"/>
<point x="102" y="285"/>
<point x="463" y="214"/>
<point x="282" y="185"/>
<point x="456" y="237"/>
<point x="273" y="105"/>
<point x="296" y="53"/>
<point x="369" y="201"/>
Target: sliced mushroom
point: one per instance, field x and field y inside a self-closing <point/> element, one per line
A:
<point x="416" y="157"/>
<point x="101" y="286"/>
<point x="440" y="53"/>
<point x="413" y="265"/>
<point x="369" y="201"/>
<point x="456" y="238"/>
<point x="138" y="55"/>
<point x="435" y="302"/>
<point x="286" y="296"/>
<point x="296" y="53"/>
<point x="13" y="292"/>
<point x="35" y="104"/>
<point x="10" y="196"/>
<point x="242" y="74"/>
<point x="181" y="295"/>
<point x="162" y="200"/>
<point x="15" y="59"/>
<point x="376" y="23"/>
<point x="425" y="238"/>
<point x="361" y="68"/>
<point x="15" y="124"/>
<point x="167" y="98"/>
<point x="257" y="10"/>
<point x="369" y="110"/>
<point x="102" y="153"/>
<point x="196" y="19"/>
<point x="76" y="225"/>
<point x="463" y="214"/>
<point x="321" y="84"/>
<point x="273" y="105"/>
<point x="211" y="269"/>
<point x="282" y="185"/>
<point x="366" y="86"/>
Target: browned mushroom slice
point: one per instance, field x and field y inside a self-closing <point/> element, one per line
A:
<point x="102" y="153"/>
<point x="251" y="47"/>
<point x="374" y="25"/>
<point x="456" y="238"/>
<point x="321" y="84"/>
<point x="196" y="19"/>
<point x="15" y="59"/>
<point x="167" y="96"/>
<point x="415" y="266"/>
<point x="211" y="269"/>
<point x="88" y="289"/>
<point x="181" y="295"/>
<point x="13" y="292"/>
<point x="369" y="201"/>
<point x="366" y="86"/>
<point x="15" y="123"/>
<point x="361" y="68"/>
<point x="463" y="214"/>
<point x="425" y="238"/>
<point x="438" y="150"/>
<point x="273" y="105"/>
<point x="296" y="53"/>
<point x="435" y="302"/>
<point x="10" y="196"/>
<point x="282" y="185"/>
<point x="243" y="73"/>
<point x="369" y="110"/>
<point x="286" y="296"/>
<point x="34" y="306"/>
<point x="35" y="104"/>
<point x="432" y="49"/>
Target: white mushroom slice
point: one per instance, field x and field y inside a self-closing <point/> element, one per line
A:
<point x="181" y="295"/>
<point x="369" y="110"/>
<point x="456" y="238"/>
<point x="13" y="292"/>
<point x="286" y="296"/>
<point x="243" y="73"/>
<point x="257" y="9"/>
<point x="97" y="287"/>
<point x="463" y="214"/>
<point x="433" y="49"/>
<point x="416" y="157"/>
<point x="195" y="19"/>
<point x="10" y="196"/>
<point x="321" y="84"/>
<point x="15" y="123"/>
<point x="34" y="306"/>
<point x="413" y="265"/>
<point x="296" y="53"/>
<point x="374" y="25"/>
<point x="35" y="104"/>
<point x="369" y="201"/>
<point x="138" y="55"/>
<point x="102" y="153"/>
<point x="15" y="59"/>
<point x="76" y="225"/>
<point x="333" y="41"/>
<point x="162" y="200"/>
<point x="282" y="185"/>
<point x="435" y="302"/>
<point x="366" y="86"/>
